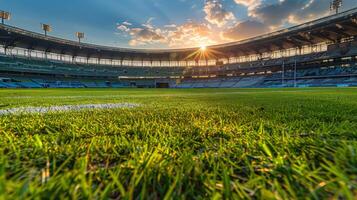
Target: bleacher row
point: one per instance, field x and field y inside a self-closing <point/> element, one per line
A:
<point x="236" y="82"/>
<point x="54" y="74"/>
<point x="261" y="82"/>
<point x="38" y="83"/>
<point x="336" y="76"/>
<point x="26" y="65"/>
<point x="270" y="62"/>
<point x="313" y="77"/>
<point x="32" y="65"/>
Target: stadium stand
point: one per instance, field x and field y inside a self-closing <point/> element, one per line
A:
<point x="321" y="53"/>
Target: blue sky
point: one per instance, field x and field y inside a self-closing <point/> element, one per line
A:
<point x="164" y="23"/>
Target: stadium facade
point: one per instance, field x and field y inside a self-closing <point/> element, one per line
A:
<point x="317" y="53"/>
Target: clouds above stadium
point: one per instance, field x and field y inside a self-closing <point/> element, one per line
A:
<point x="173" y="36"/>
<point x="221" y="24"/>
<point x="289" y="11"/>
<point x="250" y="4"/>
<point x="216" y="14"/>
<point x="166" y="23"/>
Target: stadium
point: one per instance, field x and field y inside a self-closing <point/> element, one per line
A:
<point x="271" y="116"/>
<point x="319" y="53"/>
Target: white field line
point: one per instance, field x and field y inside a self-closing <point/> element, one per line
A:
<point x="155" y="95"/>
<point x="66" y="108"/>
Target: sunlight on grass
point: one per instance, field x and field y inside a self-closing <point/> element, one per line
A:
<point x="230" y="143"/>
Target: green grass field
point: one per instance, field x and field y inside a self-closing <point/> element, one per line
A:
<point x="181" y="144"/>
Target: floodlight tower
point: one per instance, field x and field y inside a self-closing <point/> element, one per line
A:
<point x="47" y="28"/>
<point x="80" y="36"/>
<point x="336" y="5"/>
<point x="4" y="16"/>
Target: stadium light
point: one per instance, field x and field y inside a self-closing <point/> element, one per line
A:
<point x="80" y="36"/>
<point x="335" y="5"/>
<point x="47" y="28"/>
<point x="4" y="16"/>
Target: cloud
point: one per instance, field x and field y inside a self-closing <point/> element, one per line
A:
<point x="127" y="23"/>
<point x="310" y="11"/>
<point x="251" y="4"/>
<point x="263" y="16"/>
<point x="275" y="15"/>
<point x="188" y="34"/>
<point x="279" y="13"/>
<point x="142" y="36"/>
<point x="123" y="27"/>
<point x="216" y="14"/>
<point x="244" y="30"/>
<point x="170" y="26"/>
<point x="145" y="34"/>
<point x="191" y="34"/>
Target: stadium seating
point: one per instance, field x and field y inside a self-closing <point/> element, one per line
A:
<point x="17" y="64"/>
<point x="23" y="72"/>
<point x="335" y="76"/>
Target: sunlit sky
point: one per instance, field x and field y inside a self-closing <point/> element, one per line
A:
<point x="164" y="23"/>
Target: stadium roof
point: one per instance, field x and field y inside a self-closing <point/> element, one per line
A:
<point x="328" y="29"/>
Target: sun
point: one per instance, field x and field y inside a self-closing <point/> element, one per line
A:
<point x="203" y="48"/>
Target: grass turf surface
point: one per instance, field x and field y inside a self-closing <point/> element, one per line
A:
<point x="181" y="144"/>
